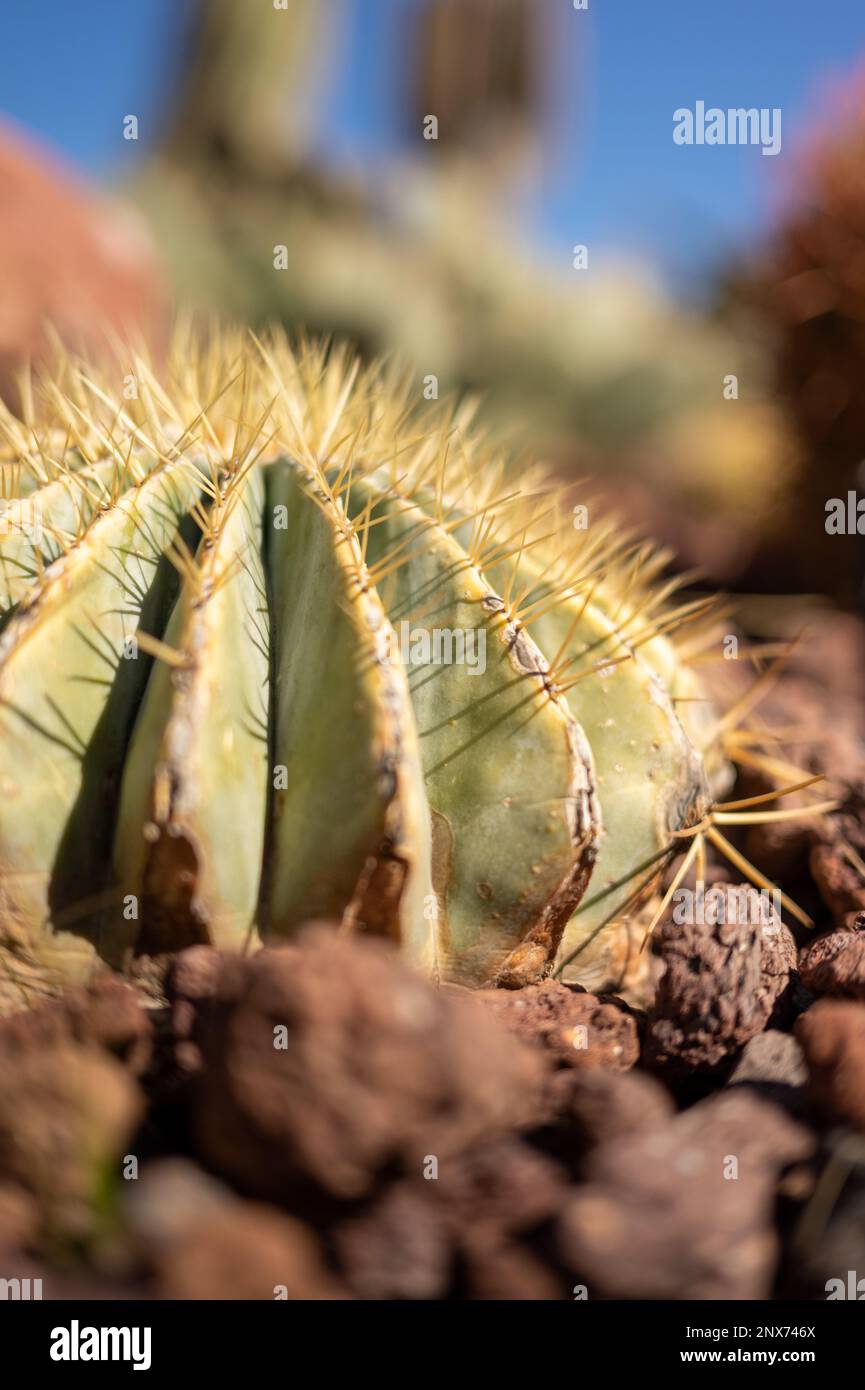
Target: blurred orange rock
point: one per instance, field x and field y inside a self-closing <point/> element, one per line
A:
<point x="71" y="257"/>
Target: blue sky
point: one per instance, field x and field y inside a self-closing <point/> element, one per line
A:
<point x="613" y="177"/>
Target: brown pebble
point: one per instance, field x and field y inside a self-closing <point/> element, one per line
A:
<point x="328" y="1061"/>
<point x="722" y="985"/>
<point x="835" y="964"/>
<point x="575" y="1028"/>
<point x="684" y="1210"/>
<point x="832" y="1034"/>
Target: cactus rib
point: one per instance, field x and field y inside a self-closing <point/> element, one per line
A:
<point x="70" y="681"/>
<point x="350" y="832"/>
<point x="190" y="830"/>
<point x="508" y="770"/>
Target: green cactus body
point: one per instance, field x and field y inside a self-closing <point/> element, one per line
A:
<point x="695" y="711"/>
<point x="47" y="517"/>
<point x="189" y="842"/>
<point x="350" y="826"/>
<point x="508" y="770"/>
<point x="650" y="778"/>
<point x="387" y="690"/>
<point x="70" y="681"/>
<point x="648" y="775"/>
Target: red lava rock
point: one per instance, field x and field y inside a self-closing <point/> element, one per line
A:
<point x="586" y="1107"/>
<point x="722" y="985"/>
<point x="328" y="1061"/>
<point x="832" y="1034"/>
<point x="466" y="1223"/>
<point x="500" y="1270"/>
<point x="66" y="1114"/>
<point x="835" y="964"/>
<point x="106" y="1013"/>
<point x="684" y="1210"/>
<point x="194" y="974"/>
<point x="19" y="1217"/>
<point x="773" y="1066"/>
<point x="399" y="1247"/>
<point x="773" y="1058"/>
<point x="192" y="978"/>
<point x="199" y="1241"/>
<point x="577" y="1029"/>
<point x="247" y="1251"/>
<point x="505" y="1187"/>
<point x="69" y="256"/>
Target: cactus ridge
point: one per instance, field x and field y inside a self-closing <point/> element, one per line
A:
<point x="71" y="679"/>
<point x="285" y="535"/>
<point x="350" y="827"/>
<point x="197" y="766"/>
<point x="508" y="771"/>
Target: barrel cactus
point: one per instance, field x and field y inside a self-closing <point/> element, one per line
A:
<point x="278" y="642"/>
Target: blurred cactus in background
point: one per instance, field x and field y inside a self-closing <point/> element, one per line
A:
<point x="244" y="84"/>
<point x="603" y="372"/>
<point x="476" y="66"/>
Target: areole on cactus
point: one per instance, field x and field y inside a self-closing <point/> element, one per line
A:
<point x="209" y="730"/>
